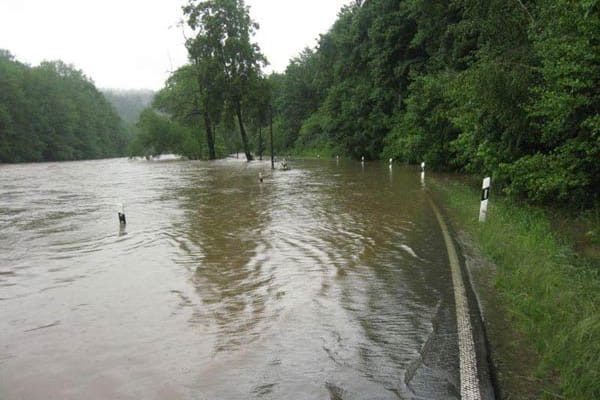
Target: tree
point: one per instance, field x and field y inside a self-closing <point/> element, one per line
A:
<point x="183" y="100"/>
<point x="222" y="47"/>
<point x="259" y="106"/>
<point x="564" y="107"/>
<point x="209" y="85"/>
<point x="54" y="112"/>
<point x="160" y="135"/>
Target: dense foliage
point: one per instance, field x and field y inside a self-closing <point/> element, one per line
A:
<point x="53" y="112"/>
<point x="507" y="88"/>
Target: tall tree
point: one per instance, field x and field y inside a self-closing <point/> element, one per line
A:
<point x="222" y="44"/>
<point x="209" y="84"/>
<point x="259" y="102"/>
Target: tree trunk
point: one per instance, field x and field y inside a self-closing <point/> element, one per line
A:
<point x="210" y="140"/>
<point x="238" y="111"/>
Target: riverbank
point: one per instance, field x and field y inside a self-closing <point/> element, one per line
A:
<point x="540" y="299"/>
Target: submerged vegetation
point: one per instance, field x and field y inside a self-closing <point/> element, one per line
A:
<point x="53" y="112"/>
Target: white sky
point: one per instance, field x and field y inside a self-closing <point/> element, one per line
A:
<point x="133" y="44"/>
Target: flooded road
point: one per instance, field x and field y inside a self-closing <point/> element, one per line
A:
<point x="327" y="281"/>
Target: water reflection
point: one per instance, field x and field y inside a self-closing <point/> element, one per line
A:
<point x="328" y="280"/>
<point x="226" y="211"/>
<point x="317" y="267"/>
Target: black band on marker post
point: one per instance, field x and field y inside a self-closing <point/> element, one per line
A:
<point x="485" y="194"/>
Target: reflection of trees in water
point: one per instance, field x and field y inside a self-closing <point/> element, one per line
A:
<point x="348" y="255"/>
<point x="226" y="212"/>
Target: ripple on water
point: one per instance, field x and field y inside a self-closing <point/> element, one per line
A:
<point x="315" y="284"/>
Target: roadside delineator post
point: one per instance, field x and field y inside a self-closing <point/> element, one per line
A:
<point x="485" y="194"/>
<point x="422" y="171"/>
<point x="121" y="213"/>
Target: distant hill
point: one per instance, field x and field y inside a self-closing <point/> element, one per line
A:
<point x="129" y="103"/>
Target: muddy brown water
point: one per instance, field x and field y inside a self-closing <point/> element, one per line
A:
<point x="327" y="281"/>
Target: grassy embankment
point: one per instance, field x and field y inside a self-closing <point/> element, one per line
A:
<point x="547" y="293"/>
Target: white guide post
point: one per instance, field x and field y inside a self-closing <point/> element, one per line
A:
<point x="485" y="194"/>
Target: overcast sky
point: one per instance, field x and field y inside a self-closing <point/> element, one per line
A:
<point x="133" y="44"/>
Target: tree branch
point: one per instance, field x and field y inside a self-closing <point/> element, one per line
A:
<point x="526" y="11"/>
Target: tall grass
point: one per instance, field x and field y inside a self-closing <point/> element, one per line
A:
<point x="551" y="292"/>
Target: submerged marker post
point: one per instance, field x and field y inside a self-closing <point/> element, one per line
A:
<point x="485" y="194"/>
<point x="271" y="135"/>
<point x="121" y="213"/>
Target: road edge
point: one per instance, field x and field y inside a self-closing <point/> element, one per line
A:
<point x="469" y="377"/>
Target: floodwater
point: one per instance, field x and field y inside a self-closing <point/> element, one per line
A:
<point x="326" y="281"/>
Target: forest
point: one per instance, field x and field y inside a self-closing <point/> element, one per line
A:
<point x="502" y="88"/>
<point x="53" y="112"/>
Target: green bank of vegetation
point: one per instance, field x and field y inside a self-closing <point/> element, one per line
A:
<point x="549" y="293"/>
<point x="53" y="112"/>
<point x="503" y="88"/>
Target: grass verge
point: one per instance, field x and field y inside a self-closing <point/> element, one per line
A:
<point x="550" y="293"/>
